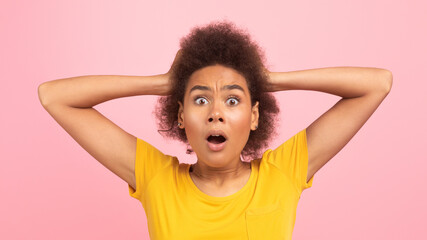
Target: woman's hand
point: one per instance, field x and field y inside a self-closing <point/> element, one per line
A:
<point x="177" y="57"/>
<point x="270" y="81"/>
<point x="169" y="73"/>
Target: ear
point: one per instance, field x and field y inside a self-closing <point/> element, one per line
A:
<point x="255" y="116"/>
<point x="181" y="115"/>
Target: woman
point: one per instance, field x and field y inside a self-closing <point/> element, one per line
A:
<point x="216" y="97"/>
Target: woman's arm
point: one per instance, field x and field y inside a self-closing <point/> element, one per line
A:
<point x="70" y="102"/>
<point x="362" y="91"/>
<point x="346" y="82"/>
<point x="88" y="91"/>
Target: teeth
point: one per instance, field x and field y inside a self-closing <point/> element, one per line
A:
<point x="216" y="139"/>
<point x="216" y="135"/>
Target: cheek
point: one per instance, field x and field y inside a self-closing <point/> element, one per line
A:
<point x="193" y="123"/>
<point x="239" y="123"/>
<point x="240" y="119"/>
<point x="192" y="119"/>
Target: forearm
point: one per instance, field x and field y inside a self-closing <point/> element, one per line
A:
<point x="347" y="82"/>
<point x="88" y="91"/>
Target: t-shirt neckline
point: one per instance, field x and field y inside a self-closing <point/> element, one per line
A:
<point x="219" y="199"/>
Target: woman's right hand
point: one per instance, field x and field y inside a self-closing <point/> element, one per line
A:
<point x="169" y="73"/>
<point x="177" y="57"/>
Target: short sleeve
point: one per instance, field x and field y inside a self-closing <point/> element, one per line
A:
<point x="148" y="162"/>
<point x="292" y="159"/>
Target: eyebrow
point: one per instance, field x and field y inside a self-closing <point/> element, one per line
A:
<point x="226" y="87"/>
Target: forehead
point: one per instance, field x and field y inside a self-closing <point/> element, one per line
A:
<point x="215" y="77"/>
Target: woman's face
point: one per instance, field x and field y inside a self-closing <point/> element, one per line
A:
<point x="217" y="114"/>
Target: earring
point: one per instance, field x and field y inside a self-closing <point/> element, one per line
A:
<point x="256" y="127"/>
<point x="179" y="124"/>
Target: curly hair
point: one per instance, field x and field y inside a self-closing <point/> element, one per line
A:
<point x="220" y="43"/>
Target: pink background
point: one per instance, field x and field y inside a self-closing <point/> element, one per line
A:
<point x="52" y="189"/>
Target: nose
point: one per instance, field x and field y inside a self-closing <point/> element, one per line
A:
<point x="215" y="118"/>
<point x="215" y="114"/>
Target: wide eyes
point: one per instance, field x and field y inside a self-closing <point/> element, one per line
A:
<point x="232" y="101"/>
<point x="200" y="100"/>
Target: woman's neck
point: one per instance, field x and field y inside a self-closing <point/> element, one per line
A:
<point x="221" y="176"/>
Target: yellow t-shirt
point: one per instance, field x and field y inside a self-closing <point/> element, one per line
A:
<point x="265" y="208"/>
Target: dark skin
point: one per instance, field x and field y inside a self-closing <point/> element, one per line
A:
<point x="70" y="102"/>
<point x="362" y="90"/>
<point x="216" y="107"/>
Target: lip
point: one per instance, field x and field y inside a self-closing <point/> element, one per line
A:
<point x="216" y="132"/>
<point x="216" y="147"/>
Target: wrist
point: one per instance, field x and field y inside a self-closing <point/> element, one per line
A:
<point x="277" y="81"/>
<point x="165" y="84"/>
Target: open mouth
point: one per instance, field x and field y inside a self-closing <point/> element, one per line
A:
<point x="216" y="139"/>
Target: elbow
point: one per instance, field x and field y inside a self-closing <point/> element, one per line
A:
<point x="42" y="94"/>
<point x="384" y="81"/>
<point x="388" y="80"/>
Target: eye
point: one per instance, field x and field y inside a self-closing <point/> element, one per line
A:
<point x="232" y="101"/>
<point x="200" y="100"/>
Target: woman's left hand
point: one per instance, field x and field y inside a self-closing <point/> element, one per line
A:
<point x="270" y="85"/>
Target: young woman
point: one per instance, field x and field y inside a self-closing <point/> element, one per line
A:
<point x="217" y="98"/>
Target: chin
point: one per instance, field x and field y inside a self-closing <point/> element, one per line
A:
<point x="217" y="159"/>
